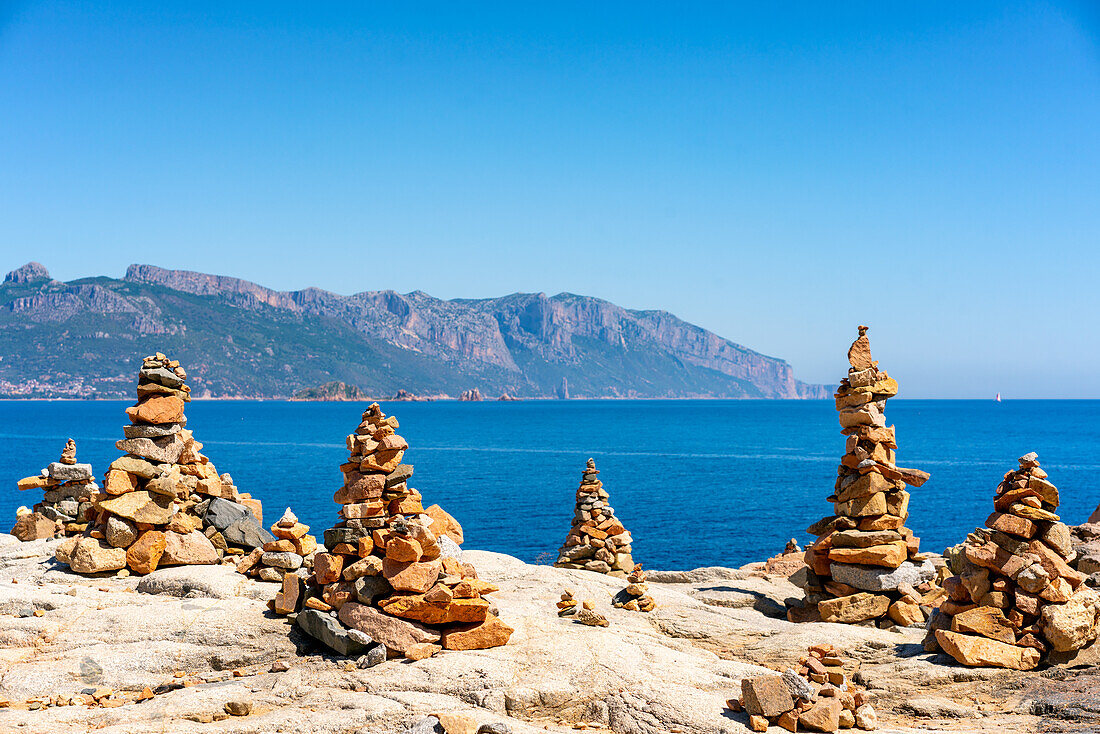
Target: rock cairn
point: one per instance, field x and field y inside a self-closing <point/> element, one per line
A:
<point x="291" y="550"/>
<point x="390" y="579"/>
<point x="68" y="489"/>
<point x="597" y="541"/>
<point x="634" y="597"/>
<point x="1015" y="598"/>
<point x="866" y="565"/>
<point x="567" y="607"/>
<point x="818" y="696"/>
<point x="163" y="503"/>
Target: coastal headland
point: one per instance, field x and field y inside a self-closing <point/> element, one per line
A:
<point x="194" y="639"/>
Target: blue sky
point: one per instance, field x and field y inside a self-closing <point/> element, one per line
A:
<point x="776" y="173"/>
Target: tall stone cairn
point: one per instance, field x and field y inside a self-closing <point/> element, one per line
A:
<point x="391" y="580"/>
<point x="597" y="541"/>
<point x="68" y="488"/>
<point x="1015" y="598"/>
<point x="866" y="565"/>
<point x="163" y="503"/>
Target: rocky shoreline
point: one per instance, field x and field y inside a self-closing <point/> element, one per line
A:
<point x="182" y="647"/>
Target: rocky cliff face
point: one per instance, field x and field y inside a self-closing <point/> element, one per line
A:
<point x="382" y="341"/>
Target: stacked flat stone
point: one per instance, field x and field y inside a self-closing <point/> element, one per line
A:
<point x="634" y="597"/>
<point x="597" y="541"/>
<point x="866" y="566"/>
<point x="390" y="578"/>
<point x="567" y="606"/>
<point x="818" y="696"/>
<point x="291" y="550"/>
<point x="68" y="488"/>
<point x="1015" y="598"/>
<point x="163" y="503"/>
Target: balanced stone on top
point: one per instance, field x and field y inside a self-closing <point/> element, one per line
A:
<point x="635" y="596"/>
<point x="1015" y="598"/>
<point x="68" y="490"/>
<point x="866" y="565"/>
<point x="596" y="541"/>
<point x="155" y="508"/>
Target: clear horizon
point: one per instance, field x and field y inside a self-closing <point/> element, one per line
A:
<point x="774" y="174"/>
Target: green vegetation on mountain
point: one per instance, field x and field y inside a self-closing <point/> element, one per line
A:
<point x="86" y="338"/>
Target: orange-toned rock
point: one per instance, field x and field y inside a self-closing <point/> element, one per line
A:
<point x="34" y="526"/>
<point x="439" y="595"/>
<point x="119" y="482"/>
<point x="289" y="599"/>
<point x="421" y="651"/>
<point x="489" y="633"/>
<point x="35" y="482"/>
<point x="985" y="621"/>
<point x="157" y="409"/>
<point x="408" y="505"/>
<point x="1019" y="526"/>
<point x="403" y="550"/>
<point x="255" y="505"/>
<point x="416" y="607"/>
<point x="415" y="577"/>
<point x="888" y="555"/>
<point x="327" y="568"/>
<point x="444" y="524"/>
<point x="906" y="613"/>
<point x="338" y="594"/>
<point x="145" y="553"/>
<point x="188" y="549"/>
<point x="981" y="651"/>
<point x="470" y="588"/>
<point x="297" y="530"/>
<point x="854" y="608"/>
<point x="305" y="545"/>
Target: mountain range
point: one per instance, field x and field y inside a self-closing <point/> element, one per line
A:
<point x="86" y="338"/>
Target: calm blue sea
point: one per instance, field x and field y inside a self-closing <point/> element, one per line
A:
<point x="697" y="482"/>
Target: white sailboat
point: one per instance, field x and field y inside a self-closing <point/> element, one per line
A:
<point x="997" y="399"/>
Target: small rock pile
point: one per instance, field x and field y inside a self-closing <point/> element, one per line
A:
<point x="1015" y="598"/>
<point x="584" y="614"/>
<point x="68" y="489"/>
<point x="390" y="579"/>
<point x="634" y="597"/>
<point x="567" y="607"/>
<point x="587" y="615"/>
<point x="865" y="565"/>
<point x="816" y="697"/>
<point x="163" y="503"/>
<point x="597" y="541"/>
<point x="291" y="550"/>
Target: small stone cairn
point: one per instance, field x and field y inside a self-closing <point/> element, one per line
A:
<point x="865" y="565"/>
<point x="567" y="607"/>
<point x="634" y="597"/>
<point x="1015" y="598"/>
<point x="818" y="696"/>
<point x="163" y="503"/>
<point x="67" y="498"/>
<point x="597" y="541"/>
<point x="390" y="581"/>
<point x="291" y="550"/>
